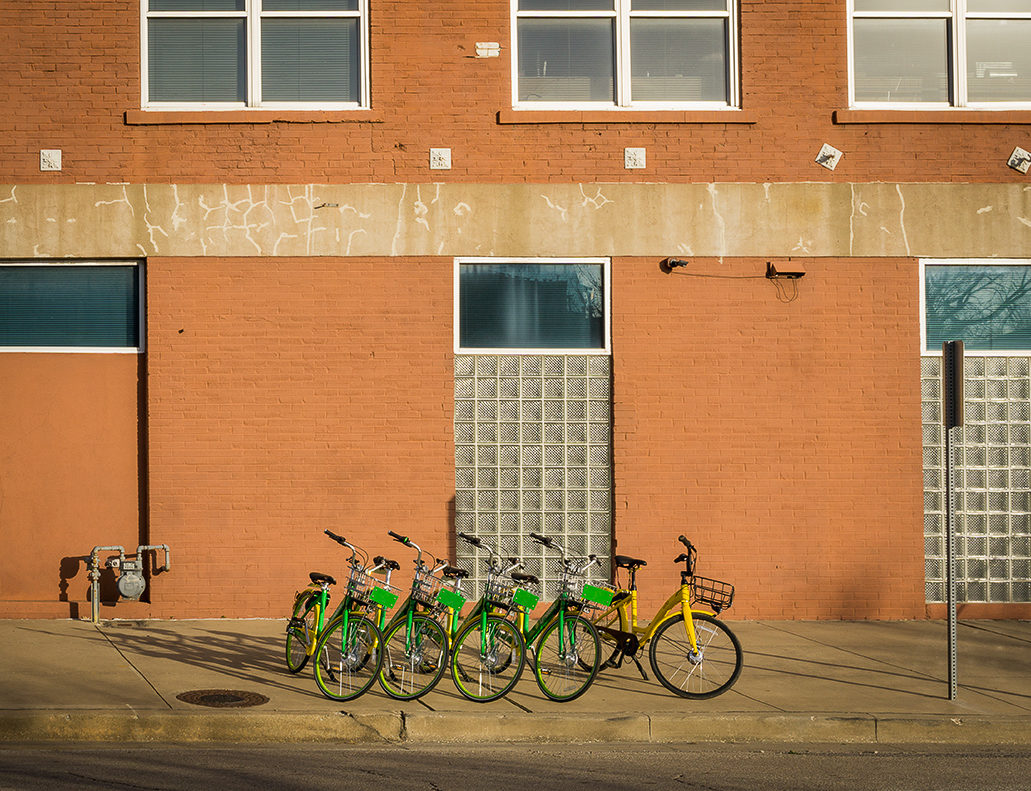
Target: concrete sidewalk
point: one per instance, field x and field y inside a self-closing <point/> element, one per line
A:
<point x="803" y="681"/>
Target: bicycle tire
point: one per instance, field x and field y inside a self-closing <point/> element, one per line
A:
<point x="299" y="638"/>
<point x="347" y="664"/>
<point x="565" y="675"/>
<point x="707" y="674"/>
<point x="413" y="662"/>
<point x="485" y="675"/>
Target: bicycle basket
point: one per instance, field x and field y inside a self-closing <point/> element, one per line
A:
<point x="499" y="592"/>
<point x="425" y="587"/>
<point x="589" y="595"/>
<point x="359" y="584"/>
<point x="717" y="595"/>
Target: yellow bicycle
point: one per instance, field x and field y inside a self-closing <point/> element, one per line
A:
<point x="691" y="652"/>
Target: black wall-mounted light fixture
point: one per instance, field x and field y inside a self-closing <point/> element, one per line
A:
<point x="667" y="265"/>
<point x="786" y="270"/>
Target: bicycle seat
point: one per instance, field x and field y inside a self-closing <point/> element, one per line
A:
<point x="518" y="576"/>
<point x="390" y="564"/>
<point x="451" y="571"/>
<point x="320" y="578"/>
<point x="627" y="562"/>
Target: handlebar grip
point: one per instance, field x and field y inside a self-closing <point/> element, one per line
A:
<point x="541" y="539"/>
<point x="339" y="539"/>
<point x="398" y="537"/>
<point x="685" y="542"/>
<point x="470" y="539"/>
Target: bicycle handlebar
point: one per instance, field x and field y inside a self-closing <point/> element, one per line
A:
<point x="474" y="540"/>
<point x="339" y="539"/>
<point x="400" y="538"/>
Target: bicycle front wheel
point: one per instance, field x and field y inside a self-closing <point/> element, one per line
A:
<point x="300" y="633"/>
<point x="488" y="659"/>
<point x="414" y="658"/>
<point x="710" y="671"/>
<point x="567" y="658"/>
<point x="347" y="660"/>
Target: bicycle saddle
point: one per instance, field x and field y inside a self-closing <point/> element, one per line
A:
<point x="451" y="571"/>
<point x="518" y="576"/>
<point x="320" y="578"/>
<point x="627" y="562"/>
<point x="390" y="564"/>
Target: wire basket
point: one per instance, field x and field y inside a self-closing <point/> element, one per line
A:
<point x="360" y="584"/>
<point x="588" y="595"/>
<point x="499" y="592"/>
<point x="717" y="595"/>
<point x="425" y="587"/>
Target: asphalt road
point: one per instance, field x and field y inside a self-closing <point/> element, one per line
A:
<point x="536" y="767"/>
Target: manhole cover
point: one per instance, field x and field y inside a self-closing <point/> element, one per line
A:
<point x="222" y="698"/>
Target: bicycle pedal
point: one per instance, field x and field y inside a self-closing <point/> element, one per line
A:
<point x="295" y="623"/>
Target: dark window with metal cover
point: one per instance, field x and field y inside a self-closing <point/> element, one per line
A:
<point x="70" y="306"/>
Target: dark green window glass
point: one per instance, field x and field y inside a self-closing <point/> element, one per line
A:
<point x="531" y="306"/>
<point x="89" y="306"/>
<point x="986" y="307"/>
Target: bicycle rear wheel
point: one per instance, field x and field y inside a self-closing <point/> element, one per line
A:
<point x="487" y="659"/>
<point x="709" y="672"/>
<point x="567" y="658"/>
<point x="300" y="632"/>
<point x="414" y="658"/>
<point x="347" y="661"/>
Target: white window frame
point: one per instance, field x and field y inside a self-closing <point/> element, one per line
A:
<point x="926" y="262"/>
<point x="139" y="349"/>
<point x="606" y="269"/>
<point x="623" y="14"/>
<point x="253" y="14"/>
<point x="956" y="17"/>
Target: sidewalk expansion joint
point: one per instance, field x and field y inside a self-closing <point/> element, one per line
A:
<point x="130" y="664"/>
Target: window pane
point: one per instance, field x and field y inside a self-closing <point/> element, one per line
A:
<point x="309" y="5"/>
<point x="998" y="60"/>
<point x="531" y="306"/>
<point x="309" y="60"/>
<point x="679" y="5"/>
<point x="196" y="5"/>
<point x="69" y="306"/>
<point x="986" y="307"/>
<point x="1004" y="6"/>
<point x="902" y="5"/>
<point x="197" y="60"/>
<point x="566" y="60"/>
<point x="565" y="5"/>
<point x="678" y="60"/>
<point x="901" y="60"/>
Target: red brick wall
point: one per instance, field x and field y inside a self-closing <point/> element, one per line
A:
<point x="289" y="396"/>
<point x="72" y="71"/>
<point x="783" y="438"/>
<point x="69" y="442"/>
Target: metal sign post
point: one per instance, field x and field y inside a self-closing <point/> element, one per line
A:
<point x="952" y="419"/>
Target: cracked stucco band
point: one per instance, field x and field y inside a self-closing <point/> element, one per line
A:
<point x="806" y="219"/>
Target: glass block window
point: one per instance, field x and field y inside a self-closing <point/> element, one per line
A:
<point x="993" y="480"/>
<point x="533" y="454"/>
<point x="254" y="53"/>
<point x="938" y="52"/>
<point x="626" y="52"/>
<point x="532" y="305"/>
<point x="77" y="307"/>
<point x="987" y="306"/>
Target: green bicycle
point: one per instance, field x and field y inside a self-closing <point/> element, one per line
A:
<point x="488" y="652"/>
<point x="415" y="644"/>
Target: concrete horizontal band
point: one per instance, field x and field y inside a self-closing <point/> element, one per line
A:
<point x="269" y="220"/>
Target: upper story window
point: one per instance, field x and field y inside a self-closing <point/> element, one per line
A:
<point x="962" y="53"/>
<point x="255" y="53"/>
<point x="625" y="53"/>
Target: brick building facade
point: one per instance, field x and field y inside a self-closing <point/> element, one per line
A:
<point x="296" y="365"/>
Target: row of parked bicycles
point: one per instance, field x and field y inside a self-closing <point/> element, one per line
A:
<point x="408" y="647"/>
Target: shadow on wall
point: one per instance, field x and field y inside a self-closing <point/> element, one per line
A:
<point x="69" y="570"/>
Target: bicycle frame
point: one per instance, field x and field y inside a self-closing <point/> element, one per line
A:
<point x="679" y="603"/>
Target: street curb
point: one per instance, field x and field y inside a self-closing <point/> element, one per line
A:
<point x="493" y="728"/>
